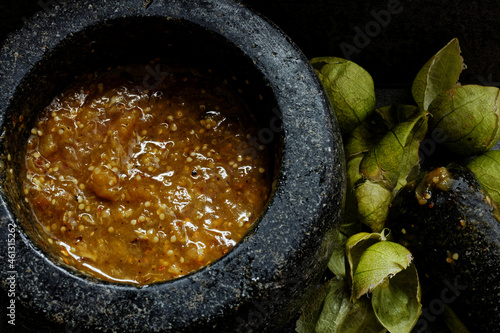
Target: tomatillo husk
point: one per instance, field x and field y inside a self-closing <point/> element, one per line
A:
<point x="469" y="118"/>
<point x="350" y="89"/>
<point x="486" y="167"/>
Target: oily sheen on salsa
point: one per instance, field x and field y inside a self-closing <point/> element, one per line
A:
<point x="140" y="184"/>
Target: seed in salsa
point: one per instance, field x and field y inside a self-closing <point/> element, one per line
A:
<point x="140" y="186"/>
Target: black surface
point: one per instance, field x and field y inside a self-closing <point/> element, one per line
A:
<point x="394" y="49"/>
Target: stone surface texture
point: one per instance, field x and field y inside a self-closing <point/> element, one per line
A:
<point x="260" y="285"/>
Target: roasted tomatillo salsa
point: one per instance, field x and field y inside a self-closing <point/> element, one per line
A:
<point x="140" y="185"/>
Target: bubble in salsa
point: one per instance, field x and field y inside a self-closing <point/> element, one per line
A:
<point x="139" y="186"/>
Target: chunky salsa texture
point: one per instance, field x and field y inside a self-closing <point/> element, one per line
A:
<point x="139" y="185"/>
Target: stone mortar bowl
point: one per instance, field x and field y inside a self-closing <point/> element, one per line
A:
<point x="262" y="282"/>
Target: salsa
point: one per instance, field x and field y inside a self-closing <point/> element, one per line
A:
<point x="139" y="185"/>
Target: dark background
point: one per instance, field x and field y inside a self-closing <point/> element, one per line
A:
<point x="395" y="54"/>
<point x="392" y="49"/>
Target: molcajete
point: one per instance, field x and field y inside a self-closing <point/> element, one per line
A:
<point x="262" y="282"/>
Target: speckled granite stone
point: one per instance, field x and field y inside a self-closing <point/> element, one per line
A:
<point x="263" y="281"/>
